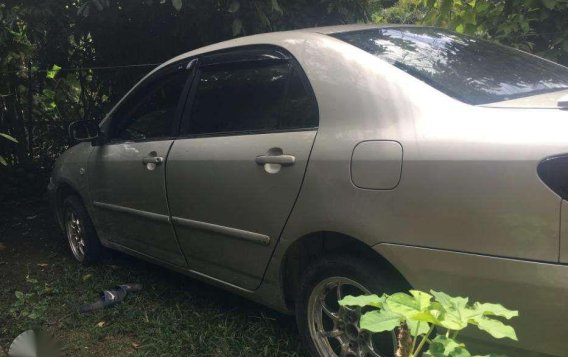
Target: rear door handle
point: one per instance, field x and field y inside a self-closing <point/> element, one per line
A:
<point x="284" y="160"/>
<point x="153" y="160"/>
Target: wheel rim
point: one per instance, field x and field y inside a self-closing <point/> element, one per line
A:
<point x="75" y="234"/>
<point x="335" y="329"/>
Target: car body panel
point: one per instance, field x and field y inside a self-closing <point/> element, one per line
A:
<point x="130" y="200"/>
<point x="534" y="289"/>
<point x="541" y="101"/>
<point x="69" y="171"/>
<point x="227" y="210"/>
<point x="564" y="232"/>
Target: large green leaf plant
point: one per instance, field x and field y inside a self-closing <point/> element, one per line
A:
<point x="430" y="323"/>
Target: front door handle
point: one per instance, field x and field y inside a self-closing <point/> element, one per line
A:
<point x="284" y="160"/>
<point x="153" y="160"/>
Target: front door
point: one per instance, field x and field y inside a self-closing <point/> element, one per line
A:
<point x="127" y="173"/>
<point x="233" y="180"/>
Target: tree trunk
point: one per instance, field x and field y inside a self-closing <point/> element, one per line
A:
<point x="16" y="119"/>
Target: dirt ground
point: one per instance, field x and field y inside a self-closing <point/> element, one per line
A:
<point x="41" y="286"/>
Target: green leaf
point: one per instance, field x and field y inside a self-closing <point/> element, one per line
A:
<point x="495" y="310"/>
<point x="495" y="328"/>
<point x="380" y="321"/>
<point x="417" y="328"/>
<point x="19" y="295"/>
<point x="6" y="136"/>
<point x="448" y="344"/>
<point x="407" y="305"/>
<point x="53" y="71"/>
<point x="237" y="27"/>
<point x="363" y="300"/>
<point x="549" y="4"/>
<point x="460" y="352"/>
<point x="234" y="7"/>
<point x="456" y="314"/>
<point x="3" y="161"/>
<point x="177" y="4"/>
<point x="443" y="346"/>
<point x="276" y="7"/>
<point x="423" y="299"/>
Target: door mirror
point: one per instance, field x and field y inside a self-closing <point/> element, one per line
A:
<point x="84" y="130"/>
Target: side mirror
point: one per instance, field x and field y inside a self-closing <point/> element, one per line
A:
<point x="84" y="130"/>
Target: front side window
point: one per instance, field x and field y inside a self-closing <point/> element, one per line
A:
<point x="150" y="112"/>
<point x="466" y="68"/>
<point x="258" y="97"/>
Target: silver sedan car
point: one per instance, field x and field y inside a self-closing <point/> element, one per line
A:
<point x="297" y="167"/>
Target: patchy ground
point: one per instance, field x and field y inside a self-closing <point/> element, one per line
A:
<point x="41" y="286"/>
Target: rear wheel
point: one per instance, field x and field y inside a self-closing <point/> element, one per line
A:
<point x="80" y="232"/>
<point x="332" y="330"/>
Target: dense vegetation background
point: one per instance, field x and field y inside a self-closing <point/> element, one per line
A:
<point x="64" y="60"/>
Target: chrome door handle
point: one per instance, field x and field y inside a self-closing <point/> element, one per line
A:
<point x="284" y="160"/>
<point x="153" y="160"/>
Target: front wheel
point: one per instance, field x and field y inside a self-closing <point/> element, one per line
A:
<point x="332" y="330"/>
<point x="80" y="232"/>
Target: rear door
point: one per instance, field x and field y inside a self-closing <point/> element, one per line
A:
<point x="233" y="179"/>
<point x="127" y="173"/>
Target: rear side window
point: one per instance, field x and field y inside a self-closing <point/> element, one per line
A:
<point x="249" y="98"/>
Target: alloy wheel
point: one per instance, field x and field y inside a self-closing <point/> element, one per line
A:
<point x="334" y="329"/>
<point x="75" y="234"/>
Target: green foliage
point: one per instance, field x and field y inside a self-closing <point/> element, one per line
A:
<point x="66" y="60"/>
<point x="31" y="305"/>
<point x="421" y="313"/>
<point x="404" y="12"/>
<point x="538" y="26"/>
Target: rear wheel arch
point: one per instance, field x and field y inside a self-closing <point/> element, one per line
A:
<point x="313" y="247"/>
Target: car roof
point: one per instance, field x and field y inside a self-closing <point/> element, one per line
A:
<point x="329" y="30"/>
<point x="270" y="37"/>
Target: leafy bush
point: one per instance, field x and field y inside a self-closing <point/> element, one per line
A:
<point x="418" y="316"/>
<point x="538" y="26"/>
<point x="404" y="12"/>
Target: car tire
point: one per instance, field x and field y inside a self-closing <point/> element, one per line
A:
<point x="356" y="275"/>
<point x="80" y="232"/>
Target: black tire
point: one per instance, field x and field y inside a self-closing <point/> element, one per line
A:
<point x="92" y="249"/>
<point x="368" y="273"/>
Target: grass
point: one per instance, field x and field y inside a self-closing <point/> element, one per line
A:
<point x="41" y="286"/>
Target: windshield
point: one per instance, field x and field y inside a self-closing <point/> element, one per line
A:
<point x="466" y="68"/>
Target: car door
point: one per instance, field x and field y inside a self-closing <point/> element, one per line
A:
<point x="127" y="173"/>
<point x="233" y="179"/>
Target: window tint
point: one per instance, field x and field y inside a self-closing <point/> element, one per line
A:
<point x="469" y="69"/>
<point x="149" y="114"/>
<point x="250" y="99"/>
<point x="300" y="108"/>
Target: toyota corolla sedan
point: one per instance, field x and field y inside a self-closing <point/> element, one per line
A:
<point x="297" y="167"/>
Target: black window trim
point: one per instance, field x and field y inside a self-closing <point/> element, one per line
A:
<point x="244" y="56"/>
<point x="189" y="64"/>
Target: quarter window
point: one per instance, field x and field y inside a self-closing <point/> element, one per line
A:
<point x="253" y="98"/>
